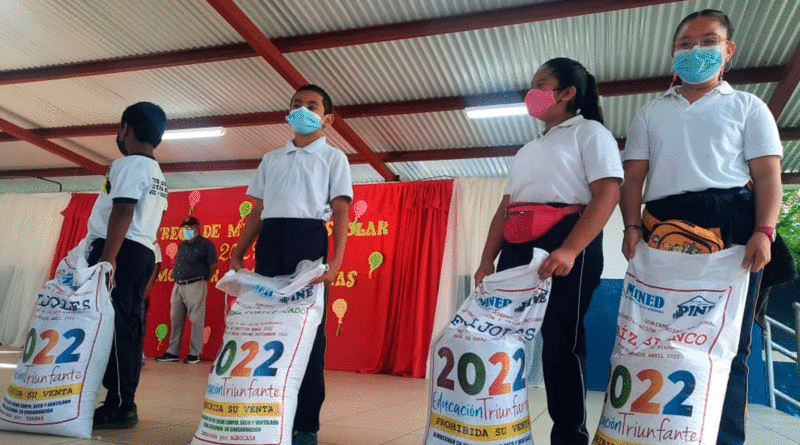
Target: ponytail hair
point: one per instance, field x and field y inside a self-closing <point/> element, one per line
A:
<point x="570" y="73"/>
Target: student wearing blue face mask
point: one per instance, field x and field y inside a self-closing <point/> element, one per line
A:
<point x="195" y="264"/>
<point x="711" y="156"/>
<point x="296" y="189"/>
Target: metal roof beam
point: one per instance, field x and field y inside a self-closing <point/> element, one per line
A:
<point x="43" y="143"/>
<point x="359" y="36"/>
<point x="607" y="89"/>
<point x="787" y="85"/>
<point x="261" y="44"/>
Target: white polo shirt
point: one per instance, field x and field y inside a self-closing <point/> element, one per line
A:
<point x="706" y="144"/>
<point x="559" y="166"/>
<point x="132" y="179"/>
<point x="301" y="182"/>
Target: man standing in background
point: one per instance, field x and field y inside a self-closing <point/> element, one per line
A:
<point x="195" y="264"/>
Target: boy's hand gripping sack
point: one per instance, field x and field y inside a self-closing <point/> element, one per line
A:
<point x="478" y="362"/>
<point x="677" y="332"/>
<point x="251" y="396"/>
<point x="55" y="384"/>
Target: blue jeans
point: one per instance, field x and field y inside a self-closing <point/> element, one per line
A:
<point x="731" y="426"/>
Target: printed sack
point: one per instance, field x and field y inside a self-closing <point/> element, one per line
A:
<point x="677" y="332"/>
<point x="54" y="387"/>
<point x="478" y="389"/>
<point x="251" y="396"/>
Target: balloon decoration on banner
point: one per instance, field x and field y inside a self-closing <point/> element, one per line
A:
<point x="375" y="260"/>
<point x="194" y="198"/>
<point x="161" y="333"/>
<point x="244" y="209"/>
<point x="360" y="207"/>
<point x="206" y="334"/>
<point x="172" y="250"/>
<point x="339" y="308"/>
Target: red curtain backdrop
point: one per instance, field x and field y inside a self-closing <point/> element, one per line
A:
<point x="388" y="281"/>
<point x="398" y="235"/>
<point x="76" y="218"/>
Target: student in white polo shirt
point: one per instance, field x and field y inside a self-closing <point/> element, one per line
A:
<point x="122" y="231"/>
<point x="568" y="178"/>
<point x="296" y="189"/>
<point x="711" y="156"/>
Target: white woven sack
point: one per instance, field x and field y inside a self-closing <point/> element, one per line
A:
<point x="251" y="396"/>
<point x="478" y="390"/>
<point x="54" y="387"/>
<point x="677" y="332"/>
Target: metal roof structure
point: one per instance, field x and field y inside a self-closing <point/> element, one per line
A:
<point x="400" y="72"/>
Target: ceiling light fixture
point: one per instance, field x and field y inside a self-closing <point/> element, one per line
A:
<point x="496" y="111"/>
<point x="194" y="133"/>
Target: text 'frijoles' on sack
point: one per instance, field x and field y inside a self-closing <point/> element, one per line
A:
<point x="251" y="396"/>
<point x="55" y="385"/>
<point x="479" y="362"/>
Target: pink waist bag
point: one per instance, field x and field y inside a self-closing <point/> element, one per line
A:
<point x="526" y="221"/>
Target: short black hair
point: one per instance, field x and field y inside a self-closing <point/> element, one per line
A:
<point x="327" y="103"/>
<point x="147" y="120"/>
<point x="713" y="13"/>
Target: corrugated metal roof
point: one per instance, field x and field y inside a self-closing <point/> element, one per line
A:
<point x="230" y="87"/>
<point x="624" y="44"/>
<point x="41" y="33"/>
<point x="449" y="129"/>
<point x="791" y="156"/>
<point x="281" y="18"/>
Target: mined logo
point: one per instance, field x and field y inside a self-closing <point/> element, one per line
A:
<point x="647" y="301"/>
<point x="493" y="302"/>
<point x="694" y="307"/>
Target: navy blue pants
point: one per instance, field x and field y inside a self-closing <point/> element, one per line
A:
<point x="135" y="264"/>
<point x="281" y="245"/>
<point x="563" y="331"/>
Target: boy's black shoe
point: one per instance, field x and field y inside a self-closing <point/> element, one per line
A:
<point x="108" y="418"/>
<point x="167" y="357"/>
<point x="191" y="359"/>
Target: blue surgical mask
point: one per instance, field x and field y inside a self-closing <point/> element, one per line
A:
<point x="188" y="234"/>
<point x="699" y="64"/>
<point x="304" y="121"/>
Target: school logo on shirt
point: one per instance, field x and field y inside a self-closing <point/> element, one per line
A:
<point x="106" y="184"/>
<point x="694" y="307"/>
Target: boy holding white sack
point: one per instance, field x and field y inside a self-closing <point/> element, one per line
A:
<point x="711" y="156"/>
<point x="122" y="231"/>
<point x="295" y="190"/>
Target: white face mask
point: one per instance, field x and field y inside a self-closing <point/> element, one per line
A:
<point x="188" y="234"/>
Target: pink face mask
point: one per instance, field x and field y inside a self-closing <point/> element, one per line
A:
<point x="539" y="101"/>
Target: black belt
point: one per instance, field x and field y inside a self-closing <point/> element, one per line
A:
<point x="190" y="280"/>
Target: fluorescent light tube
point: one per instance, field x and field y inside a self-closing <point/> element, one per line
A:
<point x="194" y="133"/>
<point x="496" y="111"/>
<point x="8" y="366"/>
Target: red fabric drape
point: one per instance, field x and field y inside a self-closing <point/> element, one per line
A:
<point x="389" y="318"/>
<point x="389" y="278"/>
<point x="76" y="218"/>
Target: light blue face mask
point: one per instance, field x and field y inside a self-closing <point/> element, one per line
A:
<point x="699" y="64"/>
<point x="304" y="121"/>
<point x="188" y="234"/>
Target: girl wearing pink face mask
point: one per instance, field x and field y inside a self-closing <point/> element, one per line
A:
<point x="561" y="191"/>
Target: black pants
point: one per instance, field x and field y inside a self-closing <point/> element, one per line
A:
<point x="563" y="331"/>
<point x="282" y="243"/>
<point x="135" y="264"/>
